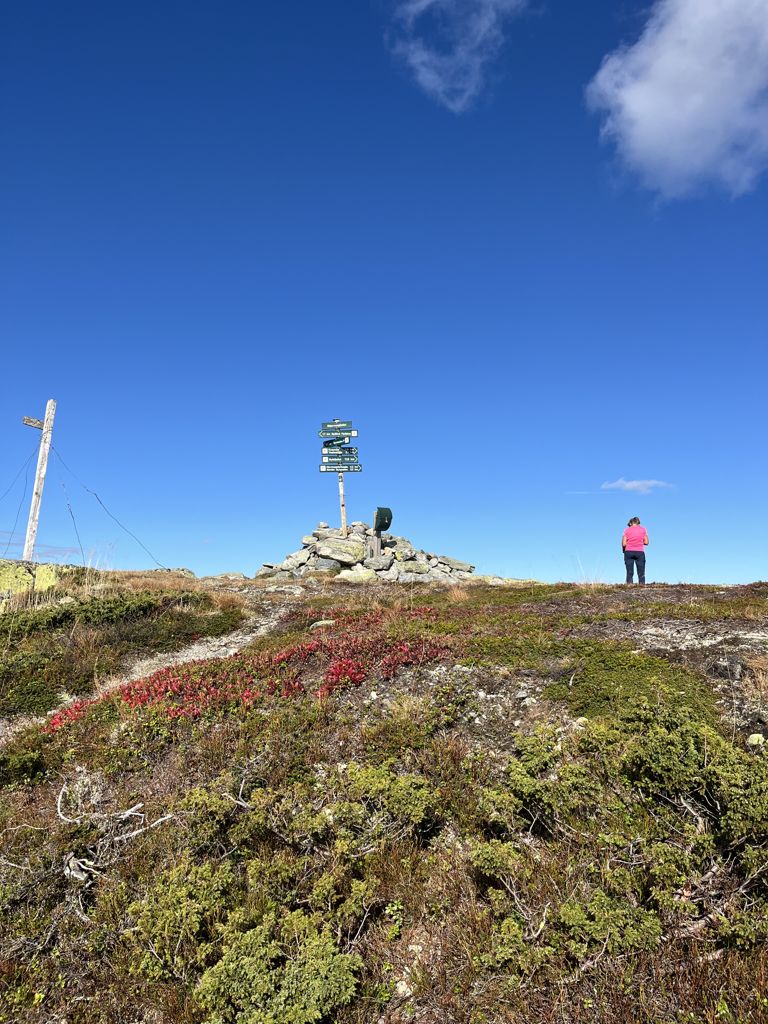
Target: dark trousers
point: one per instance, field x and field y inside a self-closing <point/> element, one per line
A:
<point x="632" y="559"/>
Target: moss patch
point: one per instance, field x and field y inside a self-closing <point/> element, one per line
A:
<point x="18" y="577"/>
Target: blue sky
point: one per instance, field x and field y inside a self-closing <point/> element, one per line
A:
<point x="521" y="245"/>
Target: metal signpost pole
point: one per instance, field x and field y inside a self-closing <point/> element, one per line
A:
<point x="42" y="465"/>
<point x="343" y="506"/>
<point x="337" y="457"/>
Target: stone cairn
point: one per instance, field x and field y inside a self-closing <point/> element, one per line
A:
<point x="325" y="550"/>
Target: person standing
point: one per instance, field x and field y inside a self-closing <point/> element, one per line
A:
<point x="633" y="543"/>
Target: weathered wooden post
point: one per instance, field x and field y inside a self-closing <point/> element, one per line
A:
<point x="382" y="520"/>
<point x="42" y="465"/>
<point x="375" y="545"/>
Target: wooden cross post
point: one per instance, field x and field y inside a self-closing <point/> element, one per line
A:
<point x="343" y="506"/>
<point x="375" y="539"/>
<point x="42" y="464"/>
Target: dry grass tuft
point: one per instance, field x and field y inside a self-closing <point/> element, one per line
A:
<point x="753" y="612"/>
<point x="757" y="676"/>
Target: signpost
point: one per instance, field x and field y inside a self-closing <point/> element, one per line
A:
<point x="340" y="451"/>
<point x="337" y="457"/>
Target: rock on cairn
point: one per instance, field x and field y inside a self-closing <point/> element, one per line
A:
<point x="325" y="550"/>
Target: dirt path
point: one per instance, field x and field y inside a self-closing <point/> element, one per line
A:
<point x="200" y="650"/>
<point x="262" y="620"/>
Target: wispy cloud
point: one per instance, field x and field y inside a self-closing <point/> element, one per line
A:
<point x="634" y="486"/>
<point x="687" y="104"/>
<point x="13" y="544"/>
<point x="448" y="44"/>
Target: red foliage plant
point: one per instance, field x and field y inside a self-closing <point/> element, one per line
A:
<point x="189" y="691"/>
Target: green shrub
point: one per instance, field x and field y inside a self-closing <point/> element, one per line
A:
<point x="176" y="919"/>
<point x="23" y="767"/>
<point x="291" y="973"/>
<point x="605" y="924"/>
<point x="600" y="678"/>
<point x="408" y="798"/>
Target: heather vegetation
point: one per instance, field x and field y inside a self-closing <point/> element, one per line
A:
<point x="62" y="643"/>
<point x="472" y="805"/>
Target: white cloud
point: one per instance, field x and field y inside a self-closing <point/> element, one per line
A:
<point x="687" y="104"/>
<point x="634" y="486"/>
<point x="447" y="44"/>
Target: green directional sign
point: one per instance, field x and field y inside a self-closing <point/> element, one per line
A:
<point x="337" y="457"/>
<point x="333" y="432"/>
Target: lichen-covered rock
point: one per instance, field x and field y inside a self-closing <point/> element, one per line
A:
<point x="436" y="576"/>
<point x="16" y="577"/>
<point x="413" y="568"/>
<point x="265" y="570"/>
<point x="357" y="574"/>
<point x="454" y="563"/>
<point x="405" y="554"/>
<point x="297" y="559"/>
<point x="325" y="564"/>
<point x="396" y="543"/>
<point x="348" y="551"/>
<point x="380" y="563"/>
<point x="325" y="534"/>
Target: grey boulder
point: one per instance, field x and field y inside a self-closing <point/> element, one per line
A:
<point x="348" y="551"/>
<point x="405" y="554"/>
<point x="379" y="563"/>
<point x="296" y="560"/>
<point x="357" y="574"/>
<point x="265" y="570"/>
<point x="325" y="564"/>
<point x="413" y="568"/>
<point x="435" y="576"/>
<point x="454" y="563"/>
